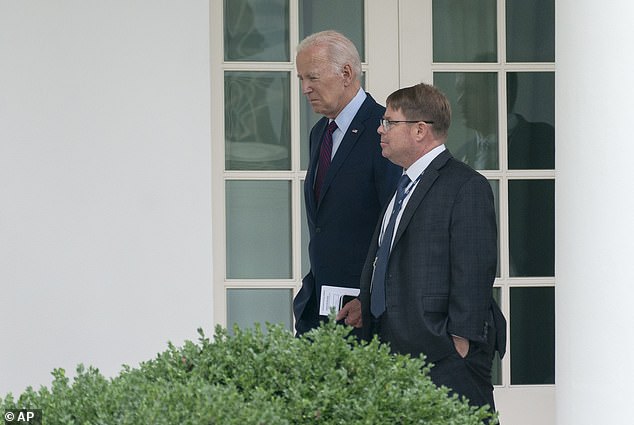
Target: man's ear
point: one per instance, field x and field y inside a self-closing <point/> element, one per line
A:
<point x="346" y="72"/>
<point x="421" y="130"/>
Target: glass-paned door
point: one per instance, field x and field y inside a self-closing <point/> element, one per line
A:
<point x="495" y="61"/>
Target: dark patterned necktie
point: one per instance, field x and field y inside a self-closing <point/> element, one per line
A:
<point x="377" y="297"/>
<point x="324" y="157"/>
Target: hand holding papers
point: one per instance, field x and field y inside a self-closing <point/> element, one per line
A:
<point x="331" y="298"/>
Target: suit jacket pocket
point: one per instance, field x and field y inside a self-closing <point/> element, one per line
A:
<point x="435" y="309"/>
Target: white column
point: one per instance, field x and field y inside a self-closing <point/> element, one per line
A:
<point x="595" y="212"/>
<point x="105" y="195"/>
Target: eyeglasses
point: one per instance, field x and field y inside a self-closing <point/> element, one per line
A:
<point x="387" y="124"/>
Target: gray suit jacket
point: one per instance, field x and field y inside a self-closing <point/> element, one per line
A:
<point x="441" y="268"/>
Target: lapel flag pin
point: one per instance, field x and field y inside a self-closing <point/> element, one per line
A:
<point x="354" y="130"/>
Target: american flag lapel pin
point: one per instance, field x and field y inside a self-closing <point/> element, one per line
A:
<point x="354" y="130"/>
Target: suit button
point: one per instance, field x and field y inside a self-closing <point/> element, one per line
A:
<point x="318" y="230"/>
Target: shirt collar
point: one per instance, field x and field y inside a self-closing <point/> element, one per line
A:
<point x="421" y="164"/>
<point x="347" y="114"/>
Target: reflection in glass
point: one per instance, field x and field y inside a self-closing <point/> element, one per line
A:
<point x="245" y="307"/>
<point x="532" y="228"/>
<point x="464" y="29"/>
<point x="473" y="135"/>
<point x="347" y="17"/>
<point x="256" y="30"/>
<point x="257" y="120"/>
<point x="531" y="107"/>
<point x="532" y="335"/>
<point x="258" y="229"/>
<point x="530" y="30"/>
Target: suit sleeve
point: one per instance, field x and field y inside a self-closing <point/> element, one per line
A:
<point x="473" y="251"/>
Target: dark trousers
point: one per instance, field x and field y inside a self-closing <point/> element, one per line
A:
<point x="469" y="376"/>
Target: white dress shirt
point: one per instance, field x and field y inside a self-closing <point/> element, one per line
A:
<point x="415" y="173"/>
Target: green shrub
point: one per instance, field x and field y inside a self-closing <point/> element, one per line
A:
<point x="256" y="377"/>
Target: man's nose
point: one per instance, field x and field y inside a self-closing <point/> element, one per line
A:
<point x="306" y="87"/>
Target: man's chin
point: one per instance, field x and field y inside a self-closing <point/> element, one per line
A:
<point x="318" y="110"/>
<point x="314" y="104"/>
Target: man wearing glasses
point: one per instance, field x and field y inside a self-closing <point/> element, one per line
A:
<point x="426" y="287"/>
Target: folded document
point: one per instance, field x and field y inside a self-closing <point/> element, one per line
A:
<point x="331" y="298"/>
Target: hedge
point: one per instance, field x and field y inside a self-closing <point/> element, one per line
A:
<point x="256" y="376"/>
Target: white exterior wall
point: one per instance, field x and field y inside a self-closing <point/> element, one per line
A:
<point x="105" y="183"/>
<point x="594" y="213"/>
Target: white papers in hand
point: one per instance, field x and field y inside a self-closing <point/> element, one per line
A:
<point x="331" y="297"/>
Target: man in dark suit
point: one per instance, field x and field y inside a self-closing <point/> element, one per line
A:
<point x="348" y="181"/>
<point x="434" y="293"/>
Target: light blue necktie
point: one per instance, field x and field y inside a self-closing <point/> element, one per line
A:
<point x="377" y="297"/>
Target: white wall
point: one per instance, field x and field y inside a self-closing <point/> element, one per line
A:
<point x="105" y="197"/>
<point x="594" y="216"/>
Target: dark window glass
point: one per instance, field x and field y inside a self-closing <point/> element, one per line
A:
<point x="532" y="228"/>
<point x="531" y="120"/>
<point x="532" y="335"/>
<point x="530" y="30"/>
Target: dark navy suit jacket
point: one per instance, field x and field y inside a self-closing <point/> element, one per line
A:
<point x="358" y="185"/>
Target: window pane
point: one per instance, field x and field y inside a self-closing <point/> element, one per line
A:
<point x="531" y="131"/>
<point x="256" y="30"/>
<point x="347" y="17"/>
<point x="464" y="31"/>
<point x="532" y="336"/>
<point x="258" y="229"/>
<point x="257" y="121"/>
<point x="245" y="307"/>
<point x="530" y="30"/>
<point x="532" y="227"/>
<point x="473" y="135"/>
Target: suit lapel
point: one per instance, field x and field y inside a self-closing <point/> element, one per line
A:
<point x="429" y="177"/>
<point x="355" y="130"/>
<point x="347" y="143"/>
